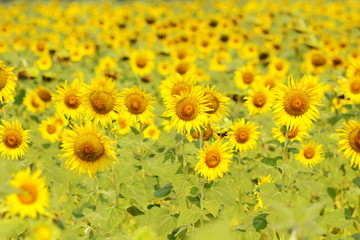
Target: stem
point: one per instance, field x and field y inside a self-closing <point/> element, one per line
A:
<point x="142" y="150"/>
<point x="183" y="154"/>
<point x="115" y="187"/>
<point x="285" y="158"/>
<point x="201" y="183"/>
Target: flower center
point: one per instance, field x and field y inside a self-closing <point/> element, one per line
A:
<point x="51" y="129"/>
<point x="40" y="47"/>
<point x="292" y="133"/>
<point x="89" y="148"/>
<point x="122" y="123"/>
<point x="44" y="95"/>
<point x="71" y="100"/>
<point x="43" y="233"/>
<point x="247" y="77"/>
<point x="141" y="62"/>
<point x="355" y="87"/>
<point x="136" y="103"/>
<point x="259" y="101"/>
<point x="179" y="88"/>
<point x="186" y="109"/>
<point x="318" y="60"/>
<point x="28" y="194"/>
<point x="12" y="139"/>
<point x="296" y="102"/>
<point x="3" y="78"/>
<point x="279" y="66"/>
<point x="207" y="134"/>
<point x="213" y="103"/>
<point x="101" y="102"/>
<point x="212" y="158"/>
<point x="309" y="153"/>
<point x="354" y="140"/>
<point x="182" y="68"/>
<point x="241" y="136"/>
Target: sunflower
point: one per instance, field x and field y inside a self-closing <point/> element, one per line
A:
<point x="33" y="102"/>
<point x="68" y="99"/>
<point x="44" y="230"/>
<point x="351" y="88"/>
<point x="217" y="103"/>
<point x="164" y="67"/>
<point x="315" y="62"/>
<point x="311" y="154"/>
<point x="259" y="100"/>
<point x="33" y="195"/>
<point x="44" y="63"/>
<point x="219" y="61"/>
<point x="350" y="142"/>
<point x="101" y="102"/>
<point x="279" y="66"/>
<point x="45" y="95"/>
<point x="87" y="149"/>
<point x="152" y="131"/>
<point x="263" y="179"/>
<point x="13" y="139"/>
<point x="122" y="127"/>
<point x="248" y="51"/>
<point x="270" y="80"/>
<point x="142" y="62"/>
<point x="353" y="70"/>
<point x="176" y="84"/>
<point x="243" y="135"/>
<point x="260" y="183"/>
<point x="208" y="132"/>
<point x="214" y="160"/>
<point x="187" y="111"/>
<point x="295" y="134"/>
<point x="50" y="130"/>
<point x="295" y="104"/>
<point x="7" y="83"/>
<point x="137" y="105"/>
<point x="246" y="76"/>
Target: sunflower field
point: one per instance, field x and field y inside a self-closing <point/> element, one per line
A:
<point x="204" y="119"/>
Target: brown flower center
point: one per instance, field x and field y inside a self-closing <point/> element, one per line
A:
<point x="3" y="78"/>
<point x="241" y="135"/>
<point x="101" y="102"/>
<point x="182" y="68"/>
<point x="296" y="102"/>
<point x="28" y="195"/>
<point x="259" y="100"/>
<point x="293" y="133"/>
<point x="354" y="140"/>
<point x="213" y="103"/>
<point x="71" y="100"/>
<point x="44" y="95"/>
<point x="179" y="88"/>
<point x="279" y="66"/>
<point x="355" y="87"/>
<point x="309" y="153"/>
<point x="212" y="158"/>
<point x="40" y="47"/>
<point x="89" y="148"/>
<point x="207" y="134"/>
<point x="186" y="109"/>
<point x="318" y="60"/>
<point x="12" y="139"/>
<point x="122" y="123"/>
<point x="51" y="129"/>
<point x="247" y="77"/>
<point x="136" y="103"/>
<point x="141" y="61"/>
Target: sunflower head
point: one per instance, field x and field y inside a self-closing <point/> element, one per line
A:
<point x="311" y="154"/>
<point x="243" y="135"/>
<point x="350" y="141"/>
<point x="7" y="83"/>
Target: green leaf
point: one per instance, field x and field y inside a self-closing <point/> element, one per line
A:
<point x="356" y="180"/>
<point x="283" y="129"/>
<point x="19" y="97"/>
<point x="163" y="191"/>
<point x="134" y="130"/>
<point x="260" y="222"/>
<point x="269" y="161"/>
<point x="188" y="216"/>
<point x="134" y="211"/>
<point x="338" y="218"/>
<point x="293" y="150"/>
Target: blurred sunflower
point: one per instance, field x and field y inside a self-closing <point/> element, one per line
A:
<point x="101" y="102"/>
<point x="7" y="83"/>
<point x="122" y="127"/>
<point x="176" y="84"/>
<point x="243" y="135"/>
<point x="33" y="102"/>
<point x="246" y="76"/>
<point x="279" y="66"/>
<point x="296" y="103"/>
<point x="350" y="141"/>
<point x="142" y="62"/>
<point x="298" y="133"/>
<point x="33" y="195"/>
<point x="259" y="100"/>
<point x="50" y="130"/>
<point x="68" y="99"/>
<point x="44" y="62"/>
<point x="87" y="150"/>
<point x="137" y="105"/>
<point x="353" y="70"/>
<point x="13" y="139"/>
<point x="187" y="111"/>
<point x="152" y="131"/>
<point x="311" y="154"/>
<point x="45" y="95"/>
<point x="351" y="88"/>
<point x="217" y="103"/>
<point x="214" y="160"/>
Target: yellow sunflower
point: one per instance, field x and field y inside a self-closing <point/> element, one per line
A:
<point x="101" y="102"/>
<point x="354" y="69"/>
<point x="33" y="102"/>
<point x="87" y="150"/>
<point x="13" y="140"/>
<point x="296" y="103"/>
<point x="311" y="154"/>
<point x="214" y="160"/>
<point x="350" y="141"/>
<point x="243" y="135"/>
<point x="298" y="133"/>
<point x="351" y="88"/>
<point x="176" y="84"/>
<point x="45" y="95"/>
<point x="279" y="66"/>
<point x="50" y="130"/>
<point x="246" y="76"/>
<point x="142" y="62"/>
<point x="259" y="100"/>
<point x="68" y="99"/>
<point x="33" y="195"/>
<point x="152" y="131"/>
<point x="217" y="103"/>
<point x="122" y="127"/>
<point x="187" y="111"/>
<point x="137" y="105"/>
<point x="7" y="83"/>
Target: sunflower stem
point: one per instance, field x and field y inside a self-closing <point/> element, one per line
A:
<point x="285" y="158"/>
<point x="183" y="154"/>
<point x="201" y="185"/>
<point x="142" y="150"/>
<point x="115" y="187"/>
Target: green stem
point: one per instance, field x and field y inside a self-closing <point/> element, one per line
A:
<point x="201" y="185"/>
<point x="115" y="187"/>
<point x="285" y="158"/>
<point x="142" y="151"/>
<point x="183" y="154"/>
